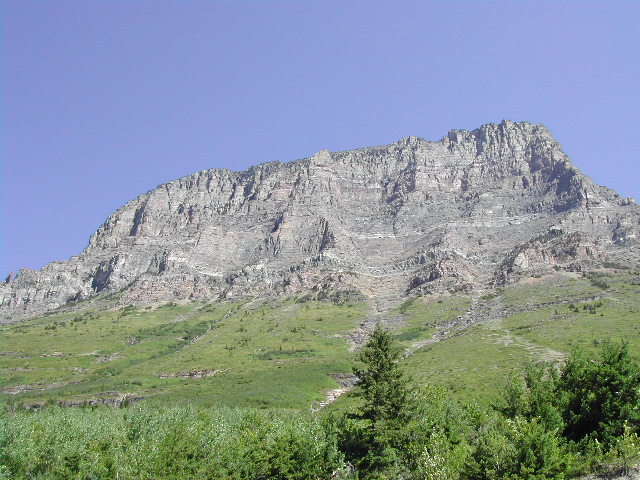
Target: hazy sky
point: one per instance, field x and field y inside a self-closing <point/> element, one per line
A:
<point x="104" y="100"/>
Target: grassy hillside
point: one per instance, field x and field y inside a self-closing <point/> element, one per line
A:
<point x="537" y="320"/>
<point x="275" y="354"/>
<point x="282" y="353"/>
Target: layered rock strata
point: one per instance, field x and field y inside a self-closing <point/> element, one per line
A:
<point x="473" y="209"/>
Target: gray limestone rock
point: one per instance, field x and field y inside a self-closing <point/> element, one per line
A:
<point x="474" y="209"/>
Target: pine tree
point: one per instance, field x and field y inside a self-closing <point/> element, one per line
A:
<point x="372" y="438"/>
<point x="382" y="383"/>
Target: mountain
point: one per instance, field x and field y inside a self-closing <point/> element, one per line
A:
<point x="473" y="210"/>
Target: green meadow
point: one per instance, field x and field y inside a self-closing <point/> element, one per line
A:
<point x="277" y="354"/>
<point x="284" y="353"/>
<point x="232" y="389"/>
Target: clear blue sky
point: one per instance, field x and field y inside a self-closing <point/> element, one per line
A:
<point x="104" y="100"/>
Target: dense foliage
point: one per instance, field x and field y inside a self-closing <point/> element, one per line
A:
<point x="177" y="443"/>
<point x="551" y="423"/>
<point x="599" y="399"/>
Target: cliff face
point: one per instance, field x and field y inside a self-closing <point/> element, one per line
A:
<point x="473" y="209"/>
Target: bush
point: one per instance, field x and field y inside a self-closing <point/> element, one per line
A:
<point x="176" y="443"/>
<point x="599" y="398"/>
<point x="517" y="449"/>
<point x="587" y="411"/>
<point x="535" y="395"/>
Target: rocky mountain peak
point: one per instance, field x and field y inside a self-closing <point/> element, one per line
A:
<point x="322" y="157"/>
<point x="474" y="209"/>
<point x="505" y="131"/>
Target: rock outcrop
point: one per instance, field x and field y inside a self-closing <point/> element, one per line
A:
<point x="474" y="208"/>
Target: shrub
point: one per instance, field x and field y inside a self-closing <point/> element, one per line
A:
<point x="517" y="449"/>
<point x="599" y="398"/>
<point x="175" y="443"/>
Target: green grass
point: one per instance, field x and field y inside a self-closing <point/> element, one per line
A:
<point x="275" y="354"/>
<point x="422" y="316"/>
<point x="281" y="353"/>
<point x="475" y="364"/>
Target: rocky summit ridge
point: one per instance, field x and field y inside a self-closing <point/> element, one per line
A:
<point x="475" y="209"/>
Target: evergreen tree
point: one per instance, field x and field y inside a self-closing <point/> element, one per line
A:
<point x="599" y="398"/>
<point x="382" y="383"/>
<point x="372" y="438"/>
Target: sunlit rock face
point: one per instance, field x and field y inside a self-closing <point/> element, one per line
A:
<point x="474" y="209"/>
